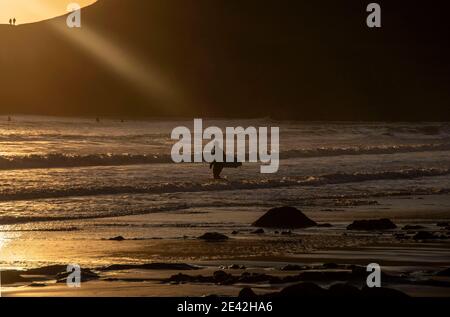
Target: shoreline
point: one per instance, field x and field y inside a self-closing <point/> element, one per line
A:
<point x="419" y="278"/>
<point x="171" y="238"/>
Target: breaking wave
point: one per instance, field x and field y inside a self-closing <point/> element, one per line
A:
<point x="59" y="160"/>
<point x="176" y="187"/>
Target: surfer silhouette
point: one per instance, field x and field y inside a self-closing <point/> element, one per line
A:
<point x="218" y="167"/>
<point x="14" y="21"/>
<point x="10" y="21"/>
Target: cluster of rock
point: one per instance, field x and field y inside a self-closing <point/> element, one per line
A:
<point x="354" y="273"/>
<point x="313" y="290"/>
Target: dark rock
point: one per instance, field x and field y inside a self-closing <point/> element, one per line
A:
<point x="235" y="232"/>
<point x="378" y="224"/>
<point x="247" y="292"/>
<point x="294" y="267"/>
<point x="180" y="278"/>
<point x="86" y="275"/>
<point x="221" y="277"/>
<point x="425" y="235"/>
<point x="442" y="224"/>
<point x="258" y="231"/>
<point x="287" y="233"/>
<point x="212" y="296"/>
<point x="382" y="292"/>
<point x="237" y="267"/>
<point x="118" y="238"/>
<point x="324" y="225"/>
<point x="361" y="273"/>
<point x="343" y="289"/>
<point x="303" y="289"/>
<point x="47" y="270"/>
<point x="213" y="236"/>
<point x="413" y="227"/>
<point x="37" y="285"/>
<point x="330" y="265"/>
<point x="284" y="217"/>
<point x="258" y="278"/>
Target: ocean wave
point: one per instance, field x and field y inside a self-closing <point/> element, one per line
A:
<point x="430" y="130"/>
<point x="15" y="220"/>
<point x="60" y="160"/>
<point x="178" y="187"/>
<point x="367" y="150"/>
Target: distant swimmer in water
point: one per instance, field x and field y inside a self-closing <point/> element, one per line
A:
<point x="217" y="167"/>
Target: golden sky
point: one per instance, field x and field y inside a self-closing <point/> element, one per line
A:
<point x="26" y="11"/>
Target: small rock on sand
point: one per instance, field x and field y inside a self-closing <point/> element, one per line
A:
<point x="324" y="225"/>
<point x="284" y="217"/>
<point x="377" y="224"/>
<point x="258" y="231"/>
<point x="37" y="285"/>
<point x="294" y="267"/>
<point x="213" y="236"/>
<point x="330" y="265"/>
<point x="413" y="227"/>
<point x="118" y="238"/>
<point x="247" y="292"/>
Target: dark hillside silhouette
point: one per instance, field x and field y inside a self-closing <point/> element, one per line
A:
<point x="311" y="60"/>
